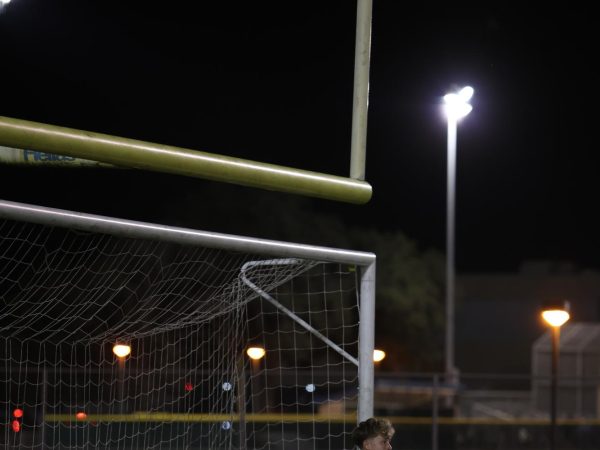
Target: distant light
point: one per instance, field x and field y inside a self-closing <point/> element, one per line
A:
<point x="310" y="387"/>
<point x="556" y="312"/>
<point x="226" y="386"/>
<point x="81" y="415"/>
<point x="555" y="317"/>
<point x="378" y="355"/>
<point x="226" y="425"/>
<point x="255" y="353"/>
<point x="16" y="425"/>
<point x="456" y="104"/>
<point x="18" y="413"/>
<point x="121" y="350"/>
<point x="188" y="386"/>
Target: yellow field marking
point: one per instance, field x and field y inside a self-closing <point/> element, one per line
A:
<point x="182" y="417"/>
<point x="306" y="418"/>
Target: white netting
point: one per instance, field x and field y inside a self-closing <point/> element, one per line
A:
<point x="188" y="314"/>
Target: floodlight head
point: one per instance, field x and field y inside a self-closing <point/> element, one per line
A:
<point x="456" y="104"/>
<point x="466" y="93"/>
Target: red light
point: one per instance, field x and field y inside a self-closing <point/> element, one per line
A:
<point x="18" y="413"/>
<point x="81" y="415"/>
<point x="16" y="426"/>
<point x="188" y="386"/>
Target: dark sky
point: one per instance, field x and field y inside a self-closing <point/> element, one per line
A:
<point x="272" y="81"/>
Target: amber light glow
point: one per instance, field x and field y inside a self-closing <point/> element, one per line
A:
<point x="121" y="350"/>
<point x="555" y="317"/>
<point x="255" y="353"/>
<point x="378" y="355"/>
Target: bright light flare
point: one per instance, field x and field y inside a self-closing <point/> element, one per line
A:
<point x="457" y="105"/>
<point x="378" y="355"/>
<point x="255" y="353"/>
<point x="555" y="317"/>
<point x="4" y="2"/>
<point x="121" y="350"/>
<point x="466" y="93"/>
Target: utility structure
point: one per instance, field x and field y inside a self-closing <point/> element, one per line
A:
<point x="456" y="106"/>
<point x="555" y="314"/>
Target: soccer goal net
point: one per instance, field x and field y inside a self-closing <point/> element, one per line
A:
<point x="126" y="335"/>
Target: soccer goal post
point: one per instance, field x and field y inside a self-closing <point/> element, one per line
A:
<point x="124" y="334"/>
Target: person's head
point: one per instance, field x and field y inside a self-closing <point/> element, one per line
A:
<point x="373" y="434"/>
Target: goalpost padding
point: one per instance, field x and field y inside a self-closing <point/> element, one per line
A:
<point x="189" y="303"/>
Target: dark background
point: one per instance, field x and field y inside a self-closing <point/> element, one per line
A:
<point x="272" y="82"/>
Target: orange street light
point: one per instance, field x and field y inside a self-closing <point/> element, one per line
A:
<point x="255" y="353"/>
<point x="121" y="350"/>
<point x="556" y="315"/>
<point x="378" y="355"/>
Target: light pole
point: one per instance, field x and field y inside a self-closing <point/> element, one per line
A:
<point x="456" y="106"/>
<point x="121" y="351"/>
<point x="256" y="354"/>
<point x="556" y="315"/>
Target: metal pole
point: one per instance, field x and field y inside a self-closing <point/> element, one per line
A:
<point x="366" y="343"/>
<point x="255" y="386"/>
<point x="186" y="236"/>
<point x="304" y="324"/>
<point x="241" y="401"/>
<point x="121" y="384"/>
<point x="450" y="191"/>
<point x="360" y="105"/>
<point x="44" y="399"/>
<point x="554" y="387"/>
<point x="180" y="161"/>
<point x="435" y="412"/>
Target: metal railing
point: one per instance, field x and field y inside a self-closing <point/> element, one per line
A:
<point x="487" y="411"/>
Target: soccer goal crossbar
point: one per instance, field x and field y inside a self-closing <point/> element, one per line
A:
<point x="189" y="304"/>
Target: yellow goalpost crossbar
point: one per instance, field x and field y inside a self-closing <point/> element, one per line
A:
<point x="124" y="152"/>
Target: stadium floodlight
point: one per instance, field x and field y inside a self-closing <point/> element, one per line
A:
<point x="456" y="106"/>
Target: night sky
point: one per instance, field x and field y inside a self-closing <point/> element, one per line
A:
<point x="272" y="82"/>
